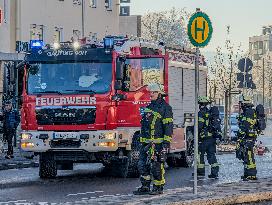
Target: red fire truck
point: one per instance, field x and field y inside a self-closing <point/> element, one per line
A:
<point x="84" y="104"/>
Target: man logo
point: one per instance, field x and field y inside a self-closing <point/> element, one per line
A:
<point x="70" y="115"/>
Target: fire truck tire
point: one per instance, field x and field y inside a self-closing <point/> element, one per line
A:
<point x="47" y="168"/>
<point x="134" y="157"/>
<point x="182" y="159"/>
<point x="117" y="168"/>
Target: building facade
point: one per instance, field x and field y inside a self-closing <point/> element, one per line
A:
<point x="61" y="20"/>
<point x="260" y="52"/>
<point x="261" y="45"/>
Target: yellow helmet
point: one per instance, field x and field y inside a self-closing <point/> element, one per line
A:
<point x="203" y="99"/>
<point x="155" y="87"/>
<point x="246" y="99"/>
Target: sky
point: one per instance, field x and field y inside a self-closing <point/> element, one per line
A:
<point x="245" y="17"/>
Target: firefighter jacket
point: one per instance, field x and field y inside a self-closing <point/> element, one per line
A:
<point x="204" y="127"/>
<point x="157" y="123"/>
<point x="247" y="124"/>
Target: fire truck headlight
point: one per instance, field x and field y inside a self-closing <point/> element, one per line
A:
<point x="76" y="45"/>
<point x="27" y="145"/>
<point x="56" y="45"/>
<point x="107" y="144"/>
<point x="26" y="136"/>
<point x="110" y="136"/>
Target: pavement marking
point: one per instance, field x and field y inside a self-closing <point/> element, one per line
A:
<point x="18" y="201"/>
<point x="108" y="195"/>
<point x="84" y="193"/>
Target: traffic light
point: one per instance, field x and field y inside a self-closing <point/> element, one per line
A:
<point x="245" y="79"/>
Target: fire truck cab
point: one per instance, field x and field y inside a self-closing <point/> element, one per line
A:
<point x="84" y="104"/>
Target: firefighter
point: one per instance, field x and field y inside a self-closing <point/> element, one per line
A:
<point x="156" y="135"/>
<point x="207" y="135"/>
<point x="247" y="135"/>
<point x="11" y="120"/>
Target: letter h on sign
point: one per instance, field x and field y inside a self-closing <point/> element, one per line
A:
<point x="197" y="29"/>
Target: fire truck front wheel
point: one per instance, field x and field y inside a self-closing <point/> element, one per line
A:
<point x="48" y="167"/>
<point x="134" y="156"/>
<point x="118" y="167"/>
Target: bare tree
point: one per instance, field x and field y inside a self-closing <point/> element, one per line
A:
<point x="223" y="78"/>
<point x="166" y="26"/>
<point x="223" y="69"/>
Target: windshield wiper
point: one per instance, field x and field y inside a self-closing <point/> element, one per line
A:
<point x="48" y="92"/>
<point x="82" y="91"/>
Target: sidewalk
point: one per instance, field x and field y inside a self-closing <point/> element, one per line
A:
<point x="224" y="194"/>
<point x="17" y="162"/>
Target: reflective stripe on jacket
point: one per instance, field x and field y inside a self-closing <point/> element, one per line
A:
<point x="157" y="123"/>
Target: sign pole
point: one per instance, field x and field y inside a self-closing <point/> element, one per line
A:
<point x="200" y="33"/>
<point x="196" y="119"/>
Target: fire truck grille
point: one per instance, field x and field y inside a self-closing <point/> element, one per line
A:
<point x="65" y="144"/>
<point x="66" y="116"/>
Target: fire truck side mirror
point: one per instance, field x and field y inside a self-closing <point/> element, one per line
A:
<point x="119" y="70"/>
<point x="21" y="65"/>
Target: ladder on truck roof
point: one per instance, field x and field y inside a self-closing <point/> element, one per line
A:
<point x="138" y="42"/>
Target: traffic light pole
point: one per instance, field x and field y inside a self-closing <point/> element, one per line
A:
<point x="244" y="86"/>
<point x="263" y="81"/>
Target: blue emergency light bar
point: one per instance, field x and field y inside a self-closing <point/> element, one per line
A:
<point x="36" y="44"/>
<point x="109" y="42"/>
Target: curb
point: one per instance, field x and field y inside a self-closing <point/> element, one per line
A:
<point x="18" y="165"/>
<point x="230" y="199"/>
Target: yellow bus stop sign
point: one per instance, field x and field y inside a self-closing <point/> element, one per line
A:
<point x="200" y="29"/>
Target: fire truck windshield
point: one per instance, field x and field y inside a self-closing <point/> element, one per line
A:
<point x="69" y="78"/>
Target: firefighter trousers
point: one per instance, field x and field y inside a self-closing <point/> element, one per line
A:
<point x="207" y="146"/>
<point x="249" y="160"/>
<point x="151" y="168"/>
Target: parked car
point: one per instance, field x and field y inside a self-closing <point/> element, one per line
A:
<point x="234" y="126"/>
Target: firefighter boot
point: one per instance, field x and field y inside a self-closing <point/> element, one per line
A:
<point x="143" y="190"/>
<point x="212" y="176"/>
<point x="214" y="171"/>
<point x="249" y="178"/>
<point x="156" y="190"/>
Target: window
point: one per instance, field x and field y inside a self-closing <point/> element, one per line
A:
<point x="36" y="32"/>
<point x="93" y="3"/>
<point x="68" y="78"/>
<point x="142" y="72"/>
<point x="76" y="35"/>
<point x="260" y="45"/>
<point x="250" y="46"/>
<point x="58" y="34"/>
<point x="108" y="5"/>
<point x="256" y="45"/>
